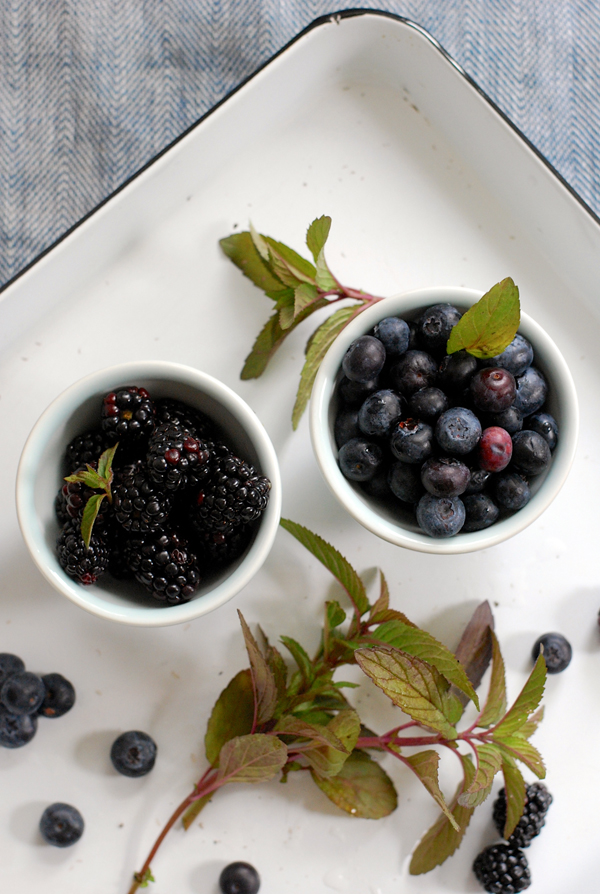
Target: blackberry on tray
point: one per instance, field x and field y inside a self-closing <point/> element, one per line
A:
<point x="537" y="803"/>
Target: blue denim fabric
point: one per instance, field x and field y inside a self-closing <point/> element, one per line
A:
<point x="92" y="89"/>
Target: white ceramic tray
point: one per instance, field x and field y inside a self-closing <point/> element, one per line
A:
<point x="366" y="119"/>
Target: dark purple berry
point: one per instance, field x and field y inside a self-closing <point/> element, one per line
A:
<point x="346" y="426"/>
<point x="537" y="803"/>
<point x="414" y="370"/>
<point x="532" y="391"/>
<point x="127" y="414"/>
<point x="531" y="454"/>
<point x="175" y="458"/>
<point x="61" y="825"/>
<point x="511" y="491"/>
<point x="477" y="481"/>
<point x="495" y="449"/>
<point x="445" y="476"/>
<point x="234" y="494"/>
<point x="133" y="753"/>
<point x="85" y="564"/>
<point x="359" y="459"/>
<point x="353" y="394"/>
<point x="427" y="404"/>
<point x="394" y="334"/>
<point x="9" y="665"/>
<point x="481" y="512"/>
<point x="492" y="389"/>
<point x="379" y="412"/>
<point x="546" y="426"/>
<point x="440" y="516"/>
<point x="502" y="869"/>
<point x="139" y="504"/>
<point x="165" y="565"/>
<point x="405" y="483"/>
<point x="511" y="420"/>
<point x="16" y="730"/>
<point x="515" y="358"/>
<point x="411" y="440"/>
<point x="364" y="359"/>
<point x="557" y="652"/>
<point x="22" y="693"/>
<point x="458" y="431"/>
<point x="239" y="878"/>
<point x="85" y="450"/>
<point x="456" y="371"/>
<point x="59" y="696"/>
<point x="435" y="325"/>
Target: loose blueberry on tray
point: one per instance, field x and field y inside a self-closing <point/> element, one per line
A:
<point x="133" y="753"/>
<point x="61" y="825"/>
<point x="239" y="878"/>
<point x="557" y="651"/>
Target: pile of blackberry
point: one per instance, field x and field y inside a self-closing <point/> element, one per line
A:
<point x="25" y="696"/>
<point x="447" y="439"/>
<point x="182" y="505"/>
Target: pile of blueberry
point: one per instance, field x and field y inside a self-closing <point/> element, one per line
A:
<point x="452" y="438"/>
<point x="25" y="696"/>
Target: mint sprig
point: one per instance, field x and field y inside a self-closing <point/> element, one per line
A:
<point x="489" y="326"/>
<point x="99" y="479"/>
<point x="273" y="720"/>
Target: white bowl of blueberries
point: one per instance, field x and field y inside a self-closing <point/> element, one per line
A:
<point x="149" y="493"/>
<point x="438" y="452"/>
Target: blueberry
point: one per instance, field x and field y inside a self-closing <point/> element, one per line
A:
<point x="133" y="753"/>
<point x="59" y="697"/>
<point x="515" y="358"/>
<point x="414" y="370"/>
<point x="16" y="729"/>
<point x="511" y="420"/>
<point x="61" y="825"/>
<point x="364" y="359"/>
<point x="481" y="512"/>
<point x="427" y="404"/>
<point x="557" y="652"/>
<point x="379" y="412"/>
<point x="477" y="481"/>
<point x="435" y="325"/>
<point x="22" y="693"/>
<point x="377" y="486"/>
<point x="354" y="393"/>
<point x="440" y="516"/>
<point x="546" y="426"/>
<point x="493" y="389"/>
<point x="346" y="426"/>
<point x="531" y="391"/>
<point x="445" y="476"/>
<point x="511" y="491"/>
<point x="495" y="449"/>
<point x="239" y="878"/>
<point x="394" y="334"/>
<point x="9" y="665"/>
<point x="531" y="453"/>
<point x="359" y="459"/>
<point x="456" y="371"/>
<point x="458" y="431"/>
<point x="405" y="483"/>
<point x="411" y="440"/>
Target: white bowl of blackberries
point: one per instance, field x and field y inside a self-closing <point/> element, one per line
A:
<point x="149" y="493"/>
<point x="445" y="420"/>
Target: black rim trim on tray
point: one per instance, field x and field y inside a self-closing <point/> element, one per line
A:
<point x="329" y="19"/>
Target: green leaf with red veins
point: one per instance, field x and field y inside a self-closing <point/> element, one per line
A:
<point x="291" y="268"/>
<point x="495" y="705"/>
<point x="270" y="338"/>
<point x="489" y="326"/>
<point x="89" y="477"/>
<point x="410" y="683"/>
<point x="318" y="744"/>
<point x="425" y="765"/>
<point x="526" y="703"/>
<point x="90" y="514"/>
<point x="275" y="661"/>
<point x="324" y="277"/>
<point x="304" y="296"/>
<point x="361" y="788"/>
<point x="301" y="658"/>
<point x="489" y="761"/>
<point x="531" y="725"/>
<point x="105" y="464"/>
<point x="522" y="750"/>
<point x="240" y="249"/>
<point x="442" y="839"/>
<point x="265" y="687"/>
<point x="333" y="560"/>
<point x="286" y="316"/>
<point x="316" y="235"/>
<point x="474" y="650"/>
<point x="260" y="244"/>
<point x="383" y="602"/>
<point x="253" y="758"/>
<point x="515" y="790"/>
<point x="232" y="715"/>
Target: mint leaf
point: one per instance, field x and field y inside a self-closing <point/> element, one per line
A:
<point x="291" y="268"/>
<point x="514" y="787"/>
<point x="145" y="879"/>
<point x="324" y="277"/>
<point x="275" y="662"/>
<point x="270" y="338"/>
<point x="489" y="326"/>
<point x="89" y="477"/>
<point x="330" y="745"/>
<point x="301" y="658"/>
<point x="304" y="296"/>
<point x="522" y="750"/>
<point x="495" y="705"/>
<point x="334" y="614"/>
<point x="105" y="463"/>
<point x="442" y="840"/>
<point x="263" y="681"/>
<point x="90" y="514"/>
<point x="526" y="703"/>
<point x="322" y="340"/>
<point x="194" y="810"/>
<point x="332" y="560"/>
<point x="240" y="248"/>
<point x="232" y="715"/>
<point x="425" y="765"/>
<point x="474" y="650"/>
<point x="361" y="788"/>
<point x="410" y="683"/>
<point x="316" y="235"/>
<point x="383" y="602"/>
<point x="489" y="761"/>
<point x="253" y="758"/>
<point x="532" y="723"/>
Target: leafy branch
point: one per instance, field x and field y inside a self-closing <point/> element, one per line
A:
<point x="271" y="720"/>
<point x="100" y="479"/>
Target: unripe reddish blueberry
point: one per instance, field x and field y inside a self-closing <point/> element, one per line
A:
<point x="495" y="449"/>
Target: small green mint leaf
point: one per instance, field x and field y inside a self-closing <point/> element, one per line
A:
<point x="301" y="658"/>
<point x="335" y="614"/>
<point x="286" y="259"/>
<point x="194" y="809"/>
<point x="490" y="325"/>
<point x="232" y="715"/>
<point x="270" y="338"/>
<point x="259" y="244"/>
<point x="532" y="723"/>
<point x="145" y="879"/>
<point x="489" y="761"/>
<point x="495" y="705"/>
<point x="425" y="765"/>
<point x="89" y="477"/>
<point x="316" y="235"/>
<point x="474" y="650"/>
<point x="324" y="277"/>
<point x="240" y="249"/>
<point x="515" y="790"/>
<point x="331" y="744"/>
<point x="304" y="296"/>
<point x="90" y="514"/>
<point x="275" y="662"/>
<point x="361" y="788"/>
<point x="410" y="683"/>
<point x="442" y="839"/>
<point x="339" y="567"/>
<point x="265" y="687"/>
<point x="105" y="463"/>
<point x="522" y="750"/>
<point x="526" y="703"/>
<point x="286" y="317"/>
<point x="253" y="758"/>
<point x="321" y="341"/>
<point x="383" y="602"/>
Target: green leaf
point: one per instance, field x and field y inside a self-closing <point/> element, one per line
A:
<point x="324" y="277"/>
<point x="265" y="688"/>
<point x="495" y="705"/>
<point x="515" y="790"/>
<point x="89" y="477"/>
<point x="423" y="645"/>
<point x="194" y="810"/>
<point x="333" y="561"/>
<point x="253" y="758"/>
<point x="316" y="235"/>
<point x="232" y="715"/>
<point x="489" y="326"/>
<point x="335" y="614"/>
<point x="425" y="765"/>
<point x="300" y="657"/>
<point x="361" y="788"/>
<point x="270" y="338"/>
<point x="522" y="750"/>
<point x="532" y="724"/>
<point x="526" y="703"/>
<point x="240" y="249"/>
<point x="410" y="683"/>
<point x="322" y="340"/>
<point x="105" y="462"/>
<point x="144" y="880"/>
<point x="442" y="840"/>
<point x="304" y="296"/>
<point x="489" y="761"/>
<point x="259" y="244"/>
<point x="326" y="752"/>
<point x="276" y="663"/>
<point x="383" y="602"/>
<point x="297" y="266"/>
<point x="90" y="514"/>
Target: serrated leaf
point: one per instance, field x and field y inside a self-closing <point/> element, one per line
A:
<point x="89" y="477"/>
<point x="304" y="296"/>
<point x="321" y="341"/>
<point x="259" y="244"/>
<point x="489" y="326"/>
<point x="316" y="235"/>
<point x="240" y="249"/>
<point x="275" y="661"/>
<point x="383" y="602"/>
<point x="263" y="681"/>
<point x="489" y="761"/>
<point x="300" y="657"/>
<point x="410" y="683"/>
<point x="105" y="462"/>
<point x="442" y="839"/>
<point x="531" y="724"/>
<point x="232" y="715"/>
<point x="324" y="751"/>
<point x="474" y="650"/>
<point x="423" y="645"/>
<point x="286" y="316"/>
<point x="425" y="765"/>
<point x="526" y="703"/>
<point x="333" y="560"/>
<point x="90" y="514"/>
<point x="390" y="614"/>
<point x="335" y="614"/>
<point x="495" y="704"/>
<point x="515" y="791"/>
<point x="361" y="788"/>
<point x="324" y="277"/>
<point x="270" y="338"/>
<point x="522" y="750"/>
<point x="253" y="758"/>
<point x="284" y="257"/>
<point x="194" y="810"/>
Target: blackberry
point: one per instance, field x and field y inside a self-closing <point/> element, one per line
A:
<point x="83" y="564"/>
<point x="71" y="501"/>
<point x="537" y="802"/>
<point x="234" y="495"/>
<point x="174" y="456"/>
<point x="85" y="449"/>
<point x="502" y="869"/>
<point x="165" y="565"/>
<point x="139" y="505"/>
<point x="127" y="414"/>
<point x="221" y="549"/>
<point x="170" y="410"/>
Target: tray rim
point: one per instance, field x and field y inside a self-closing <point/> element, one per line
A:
<point x="328" y="19"/>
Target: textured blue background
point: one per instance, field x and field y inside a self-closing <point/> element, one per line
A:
<point x="91" y="89"/>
